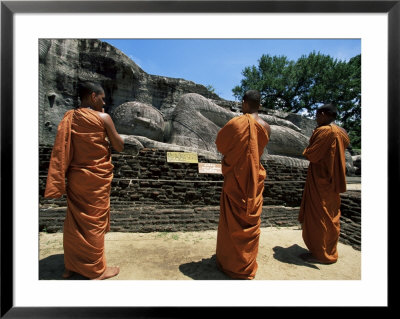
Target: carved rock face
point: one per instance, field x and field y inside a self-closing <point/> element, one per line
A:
<point x="154" y="111"/>
<point x="135" y="118"/>
<point x="65" y="62"/>
<point x="286" y="141"/>
<point x="196" y="122"/>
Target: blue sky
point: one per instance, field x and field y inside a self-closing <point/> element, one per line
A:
<point x="220" y="62"/>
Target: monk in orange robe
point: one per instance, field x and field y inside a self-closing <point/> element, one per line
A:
<point x="81" y="153"/>
<point x="241" y="142"/>
<point x="326" y="179"/>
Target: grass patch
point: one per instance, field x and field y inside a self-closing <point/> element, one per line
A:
<point x="162" y="235"/>
<point x="167" y="235"/>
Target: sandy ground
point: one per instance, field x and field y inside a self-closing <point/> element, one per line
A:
<point x="191" y="256"/>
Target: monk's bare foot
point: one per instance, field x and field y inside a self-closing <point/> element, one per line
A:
<point x="308" y="257"/>
<point x="108" y="273"/>
<point x="67" y="273"/>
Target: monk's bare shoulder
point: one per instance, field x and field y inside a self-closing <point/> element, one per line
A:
<point x="106" y="119"/>
<point x="116" y="140"/>
<point x="265" y="125"/>
<point x="104" y="116"/>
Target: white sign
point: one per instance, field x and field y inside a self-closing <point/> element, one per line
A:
<point x="210" y="168"/>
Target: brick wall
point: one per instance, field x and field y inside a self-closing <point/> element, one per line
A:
<point x="147" y="178"/>
<point x="148" y="194"/>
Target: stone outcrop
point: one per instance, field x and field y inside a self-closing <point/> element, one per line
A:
<point x="135" y="118"/>
<point x="285" y="141"/>
<point x="197" y="120"/>
<point x="305" y="124"/>
<point x="357" y="164"/>
<point x="133" y="144"/>
<point x="151" y="110"/>
<point x="194" y="125"/>
<point x="64" y="62"/>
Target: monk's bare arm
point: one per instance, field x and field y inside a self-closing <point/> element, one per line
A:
<point x="116" y="140"/>
<point x="265" y="124"/>
<point x="268" y="128"/>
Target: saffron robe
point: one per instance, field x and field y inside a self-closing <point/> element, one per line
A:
<point x="81" y="153"/>
<point x="241" y="142"/>
<point x="326" y="179"/>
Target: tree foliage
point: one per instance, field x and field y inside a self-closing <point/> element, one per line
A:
<point x="302" y="86"/>
<point x="210" y="88"/>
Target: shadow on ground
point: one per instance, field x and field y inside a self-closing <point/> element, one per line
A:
<point x="291" y="255"/>
<point x="206" y="269"/>
<point x="52" y="268"/>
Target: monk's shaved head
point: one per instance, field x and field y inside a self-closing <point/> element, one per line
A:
<point x="329" y="109"/>
<point x="86" y="88"/>
<point x="253" y="98"/>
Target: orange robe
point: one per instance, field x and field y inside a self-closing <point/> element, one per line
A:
<point x="326" y="179"/>
<point x="241" y="142"/>
<point x="81" y="153"/>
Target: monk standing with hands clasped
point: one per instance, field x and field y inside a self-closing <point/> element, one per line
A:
<point x="326" y="179"/>
<point x="241" y="142"/>
<point x="81" y="153"/>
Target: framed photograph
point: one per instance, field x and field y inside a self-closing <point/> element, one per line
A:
<point x="23" y="23"/>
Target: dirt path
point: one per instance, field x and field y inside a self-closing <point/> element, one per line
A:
<point x="191" y="256"/>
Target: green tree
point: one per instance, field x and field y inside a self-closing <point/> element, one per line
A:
<point x="351" y="109"/>
<point x="210" y="88"/>
<point x="305" y="84"/>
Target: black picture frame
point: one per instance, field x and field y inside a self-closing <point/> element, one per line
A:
<point x="9" y="8"/>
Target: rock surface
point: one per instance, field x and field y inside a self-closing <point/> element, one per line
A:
<point x="357" y="164"/>
<point x="64" y="62"/>
<point x="196" y="122"/>
<point x="151" y="110"/>
<point x="136" y="118"/>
